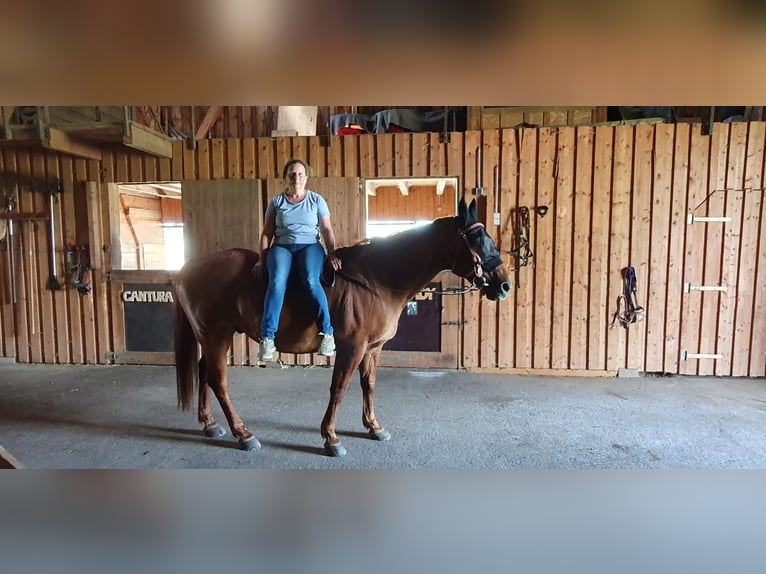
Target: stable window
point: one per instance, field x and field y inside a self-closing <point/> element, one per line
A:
<point x="397" y="204"/>
<point x="150" y="226"/>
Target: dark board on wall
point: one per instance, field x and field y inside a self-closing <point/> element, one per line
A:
<point x="148" y="317"/>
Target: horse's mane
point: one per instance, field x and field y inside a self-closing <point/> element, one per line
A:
<point x="397" y="242"/>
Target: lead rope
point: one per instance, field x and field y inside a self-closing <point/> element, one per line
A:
<point x="629" y="300"/>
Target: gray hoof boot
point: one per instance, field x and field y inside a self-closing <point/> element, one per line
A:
<point x="215" y="431"/>
<point x="381" y="434"/>
<point x="335" y="449"/>
<point x="250" y="444"/>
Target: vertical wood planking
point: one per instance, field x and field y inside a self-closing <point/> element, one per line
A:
<point x="714" y="205"/>
<point x="384" y="155"/>
<point x="454" y="166"/>
<point x="509" y="171"/>
<point x="421" y="148"/>
<point x="525" y="289"/>
<point x="581" y="249"/>
<point x="640" y="236"/>
<point x="650" y="186"/>
<point x="69" y="312"/>
<point x="15" y="330"/>
<point x="598" y="322"/>
<point x="368" y="166"/>
<point x="24" y="327"/>
<point x="36" y="258"/>
<point x="471" y="311"/>
<point x="334" y="157"/>
<point x="619" y="241"/>
<point x="97" y="310"/>
<point x="694" y="249"/>
<point x="675" y="280"/>
<point x="7" y="338"/>
<point x="317" y="156"/>
<point x="657" y="281"/>
<point x="543" y="250"/>
<point x="734" y="196"/>
<point x="402" y="154"/>
<point x="249" y="171"/>
<point x="350" y="157"/>
<point x="750" y="344"/>
<point x="562" y="211"/>
<point x="488" y="310"/>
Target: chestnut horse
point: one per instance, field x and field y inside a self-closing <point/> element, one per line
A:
<point x="217" y="295"/>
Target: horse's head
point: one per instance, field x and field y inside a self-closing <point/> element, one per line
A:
<point x="480" y="261"/>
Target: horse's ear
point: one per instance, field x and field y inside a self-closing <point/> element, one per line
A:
<point x="473" y="212"/>
<point x="462" y="211"/>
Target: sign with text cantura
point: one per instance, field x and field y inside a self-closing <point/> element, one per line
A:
<point x="148" y="317"/>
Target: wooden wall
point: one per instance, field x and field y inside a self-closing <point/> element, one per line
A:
<point x="617" y="196"/>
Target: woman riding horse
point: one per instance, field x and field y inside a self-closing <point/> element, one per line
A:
<point x="370" y="291"/>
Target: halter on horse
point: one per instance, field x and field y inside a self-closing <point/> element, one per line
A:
<point x="377" y="280"/>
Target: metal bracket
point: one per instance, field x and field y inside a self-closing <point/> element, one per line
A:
<point x="691" y="218"/>
<point x="686" y="355"/>
<point x="110" y="356"/>
<point x="688" y="288"/>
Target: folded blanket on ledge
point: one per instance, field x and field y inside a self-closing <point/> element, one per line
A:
<point x="387" y="121"/>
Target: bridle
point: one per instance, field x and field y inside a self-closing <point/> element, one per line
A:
<point x="480" y="265"/>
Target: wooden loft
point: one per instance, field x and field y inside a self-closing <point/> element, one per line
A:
<point x="80" y="131"/>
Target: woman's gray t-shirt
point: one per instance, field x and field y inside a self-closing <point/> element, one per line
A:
<point x="297" y="222"/>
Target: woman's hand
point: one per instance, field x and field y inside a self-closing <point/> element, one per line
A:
<point x="335" y="261"/>
<point x="257" y="270"/>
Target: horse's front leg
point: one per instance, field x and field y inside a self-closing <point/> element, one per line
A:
<point x="211" y="427"/>
<point x="346" y="361"/>
<point x="368" y="370"/>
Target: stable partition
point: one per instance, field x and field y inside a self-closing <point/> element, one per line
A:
<point x="683" y="208"/>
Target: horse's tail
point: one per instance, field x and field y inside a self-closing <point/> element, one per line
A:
<point x="187" y="375"/>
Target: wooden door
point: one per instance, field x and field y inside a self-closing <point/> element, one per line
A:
<point x="217" y="214"/>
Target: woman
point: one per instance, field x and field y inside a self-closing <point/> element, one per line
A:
<point x="294" y="221"/>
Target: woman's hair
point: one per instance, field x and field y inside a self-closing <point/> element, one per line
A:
<point x="292" y="162"/>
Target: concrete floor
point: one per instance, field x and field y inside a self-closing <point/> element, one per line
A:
<point x="125" y="417"/>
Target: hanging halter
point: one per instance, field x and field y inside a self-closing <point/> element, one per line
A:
<point x="629" y="300"/>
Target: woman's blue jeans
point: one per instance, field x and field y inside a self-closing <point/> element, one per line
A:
<point x="306" y="260"/>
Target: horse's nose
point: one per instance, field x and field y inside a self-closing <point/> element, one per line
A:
<point x="505" y="287"/>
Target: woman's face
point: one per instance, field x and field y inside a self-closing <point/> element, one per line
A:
<point x="296" y="178"/>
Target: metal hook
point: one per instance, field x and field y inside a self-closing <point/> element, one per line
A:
<point x="541" y="210"/>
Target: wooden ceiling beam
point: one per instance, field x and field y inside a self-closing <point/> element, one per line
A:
<point x="211" y="116"/>
<point x="146" y="139"/>
<point x="57" y="140"/>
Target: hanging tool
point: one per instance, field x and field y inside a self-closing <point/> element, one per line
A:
<point x="479" y="189"/>
<point x="496" y="214"/>
<point x="55" y="189"/>
<point x="11" y="249"/>
<point x="78" y="268"/>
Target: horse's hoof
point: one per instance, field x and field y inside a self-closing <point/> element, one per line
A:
<point x="250" y="444"/>
<point x="381" y="434"/>
<point x="215" y="431"/>
<point x="335" y="449"/>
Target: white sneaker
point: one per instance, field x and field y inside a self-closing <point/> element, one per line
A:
<point x="327" y="346"/>
<point x="266" y="350"/>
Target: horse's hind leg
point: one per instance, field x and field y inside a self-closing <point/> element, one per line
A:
<point x="368" y="370"/>
<point x="205" y="413"/>
<point x="218" y="383"/>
